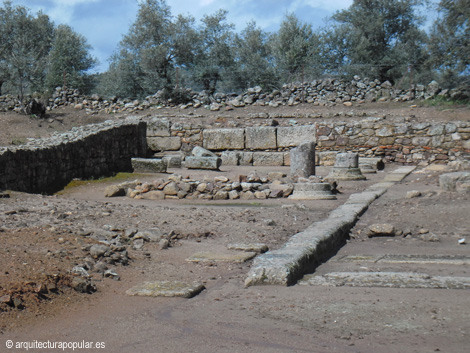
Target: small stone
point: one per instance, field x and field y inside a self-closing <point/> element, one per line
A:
<point x="251" y="247"/>
<point x="83" y="285"/>
<point x="381" y="230"/>
<point x="462" y="241"/>
<point x="6" y="299"/>
<point x="171" y="189"/>
<point x="221" y="195"/>
<point x="138" y="244"/>
<point x="114" y="191"/>
<point x="412" y="194"/>
<point x="98" y="250"/>
<point x="221" y="179"/>
<point x="100" y="267"/>
<point x="112" y="274"/>
<point x="430" y="237"/>
<point x="79" y="270"/>
<point x="260" y="195"/>
<point x="247" y="195"/>
<point x="233" y="195"/>
<point x="163" y="244"/>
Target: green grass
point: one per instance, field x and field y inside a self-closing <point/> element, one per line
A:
<point x="443" y="102"/>
<point x="118" y="178"/>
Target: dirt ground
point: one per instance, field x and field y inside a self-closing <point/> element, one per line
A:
<point x="43" y="237"/>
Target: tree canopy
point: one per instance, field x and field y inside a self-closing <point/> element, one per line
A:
<point x="383" y="39"/>
<point x="34" y="53"/>
<point x="450" y="41"/>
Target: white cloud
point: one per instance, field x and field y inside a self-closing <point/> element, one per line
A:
<point x="329" y="5"/>
<point x="206" y="2"/>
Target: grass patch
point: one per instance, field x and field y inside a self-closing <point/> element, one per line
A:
<point x="443" y="102"/>
<point x="117" y="178"/>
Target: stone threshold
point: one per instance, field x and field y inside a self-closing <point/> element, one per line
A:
<point x="306" y="250"/>
<point x="409" y="259"/>
<point x="387" y="280"/>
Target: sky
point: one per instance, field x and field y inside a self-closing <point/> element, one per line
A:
<point x="104" y="22"/>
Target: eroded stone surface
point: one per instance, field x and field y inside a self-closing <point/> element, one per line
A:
<point x="387" y="279"/>
<point x="166" y="289"/>
<point x="149" y="165"/>
<point x="252" y="247"/>
<point x="238" y="256"/>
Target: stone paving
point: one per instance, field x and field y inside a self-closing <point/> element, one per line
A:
<point x="307" y="249"/>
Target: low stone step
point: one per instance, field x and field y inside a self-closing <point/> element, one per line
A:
<point x="409" y="259"/>
<point x="387" y="280"/>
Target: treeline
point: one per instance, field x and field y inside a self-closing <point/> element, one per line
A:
<point x="36" y="55"/>
<point x="381" y="39"/>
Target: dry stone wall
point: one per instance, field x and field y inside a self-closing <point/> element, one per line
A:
<point x="92" y="151"/>
<point x="318" y="92"/>
<point x="398" y="141"/>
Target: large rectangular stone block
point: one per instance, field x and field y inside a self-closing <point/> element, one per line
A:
<point x="224" y="139"/>
<point x="211" y="163"/>
<point x="158" y="127"/>
<point x="268" y="158"/>
<point x="230" y="157"/>
<point x="290" y="136"/>
<point x="246" y="158"/>
<point x="157" y="144"/>
<point x="260" y="138"/>
<point x="148" y="165"/>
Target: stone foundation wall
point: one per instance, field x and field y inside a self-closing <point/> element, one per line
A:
<point x="399" y="141"/>
<point x="404" y="141"/>
<point x="92" y="151"/>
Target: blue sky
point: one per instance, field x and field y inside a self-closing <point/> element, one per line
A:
<point x="104" y="22"/>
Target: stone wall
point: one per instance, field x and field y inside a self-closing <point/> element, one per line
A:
<point x="317" y="92"/>
<point x="398" y="141"/>
<point x="401" y="141"/>
<point x="92" y="151"/>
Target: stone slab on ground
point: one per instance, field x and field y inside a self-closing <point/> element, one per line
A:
<point x="387" y="280"/>
<point x="409" y="259"/>
<point x="457" y="181"/>
<point x="399" y="174"/>
<point x="149" y="165"/>
<point x="252" y="247"/>
<point x="236" y="256"/>
<point x="166" y="289"/>
<point x="210" y="163"/>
